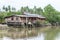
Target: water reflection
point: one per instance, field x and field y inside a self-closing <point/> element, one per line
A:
<point x="44" y="33"/>
<point x="58" y="36"/>
<point x="21" y="34"/>
<point x="41" y="37"/>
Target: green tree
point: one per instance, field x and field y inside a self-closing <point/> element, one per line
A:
<point x="34" y="9"/>
<point x="1" y="17"/>
<point x="5" y="8"/>
<point x="50" y="14"/>
<point x="39" y="11"/>
<point x="13" y="9"/>
<point x="9" y="8"/>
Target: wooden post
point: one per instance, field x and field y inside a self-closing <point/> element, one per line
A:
<point x="26" y="31"/>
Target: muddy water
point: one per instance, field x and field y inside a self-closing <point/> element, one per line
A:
<point x="45" y="33"/>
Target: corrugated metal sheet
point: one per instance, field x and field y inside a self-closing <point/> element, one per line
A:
<point x="31" y="15"/>
<point x="28" y="15"/>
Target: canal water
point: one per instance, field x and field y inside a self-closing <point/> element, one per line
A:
<point x="44" y="33"/>
<point x="40" y="37"/>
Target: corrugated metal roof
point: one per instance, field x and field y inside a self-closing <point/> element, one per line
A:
<point x="33" y="15"/>
<point x="30" y="15"/>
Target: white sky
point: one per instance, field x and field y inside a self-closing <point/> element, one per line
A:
<point x="31" y="3"/>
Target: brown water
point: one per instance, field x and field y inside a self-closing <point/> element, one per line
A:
<point x="44" y="33"/>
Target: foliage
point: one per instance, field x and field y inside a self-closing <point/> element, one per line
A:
<point x="51" y="14"/>
<point x="38" y="23"/>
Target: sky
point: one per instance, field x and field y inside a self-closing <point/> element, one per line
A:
<point x="30" y="3"/>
